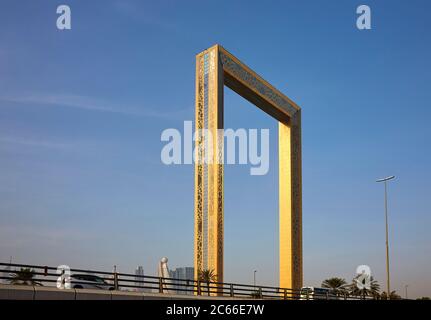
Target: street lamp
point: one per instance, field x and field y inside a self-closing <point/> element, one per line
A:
<point x="385" y="180"/>
<point x="254" y="278"/>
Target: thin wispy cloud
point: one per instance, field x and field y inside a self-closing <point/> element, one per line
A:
<point x="90" y="104"/>
<point x="14" y="236"/>
<point x="32" y="142"/>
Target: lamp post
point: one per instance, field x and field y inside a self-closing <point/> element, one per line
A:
<point x="254" y="278"/>
<point x="385" y="180"/>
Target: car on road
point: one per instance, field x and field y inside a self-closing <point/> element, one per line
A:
<point x="88" y="281"/>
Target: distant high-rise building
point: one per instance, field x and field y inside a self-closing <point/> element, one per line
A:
<point x="139" y="273"/>
<point x="183" y="273"/>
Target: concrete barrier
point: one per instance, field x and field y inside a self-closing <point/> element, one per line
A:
<point x="92" y="294"/>
<point x="44" y="293"/>
<point x="21" y="292"/>
<point x="16" y="292"/>
<point x="157" y="296"/>
<point x="4" y="292"/>
<point x="121" y="295"/>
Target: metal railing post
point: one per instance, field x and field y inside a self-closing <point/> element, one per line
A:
<point x="231" y="290"/>
<point x="115" y="278"/>
<point x="160" y="285"/>
<point x="199" y="288"/>
<point x="285" y="294"/>
<point x="115" y="281"/>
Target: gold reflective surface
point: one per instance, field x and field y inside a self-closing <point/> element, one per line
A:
<point x="215" y="68"/>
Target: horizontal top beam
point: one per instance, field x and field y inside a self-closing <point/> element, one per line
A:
<point x="247" y="83"/>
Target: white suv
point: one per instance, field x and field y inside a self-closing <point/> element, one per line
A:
<point x="88" y="281"/>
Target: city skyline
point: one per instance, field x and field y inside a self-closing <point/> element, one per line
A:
<point x="81" y="113"/>
<point x="184" y="273"/>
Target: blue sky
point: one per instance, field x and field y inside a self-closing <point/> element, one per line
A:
<point x="81" y="113"/>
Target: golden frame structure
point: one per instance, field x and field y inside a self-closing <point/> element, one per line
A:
<point x="216" y="67"/>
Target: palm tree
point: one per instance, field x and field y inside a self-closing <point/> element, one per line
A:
<point x="372" y="291"/>
<point x="392" y="296"/>
<point x="25" y="276"/>
<point x="207" y="276"/>
<point x="336" y="285"/>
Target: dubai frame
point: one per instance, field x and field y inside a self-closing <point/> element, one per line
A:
<point x="215" y="67"/>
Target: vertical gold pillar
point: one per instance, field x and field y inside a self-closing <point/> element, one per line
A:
<point x="290" y="202"/>
<point x="208" y="164"/>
